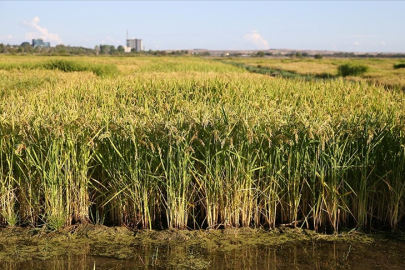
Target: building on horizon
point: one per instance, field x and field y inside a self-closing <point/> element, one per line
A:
<point x="135" y="44"/>
<point x="40" y="43"/>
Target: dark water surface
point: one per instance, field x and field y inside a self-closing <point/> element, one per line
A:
<point x="303" y="255"/>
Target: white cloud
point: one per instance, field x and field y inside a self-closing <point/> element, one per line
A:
<point x="6" y="37"/>
<point x="41" y="32"/>
<point x="257" y="40"/>
<point x="383" y="43"/>
<point x="356" y="43"/>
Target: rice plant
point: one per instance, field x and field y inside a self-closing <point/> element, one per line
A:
<point x="352" y="70"/>
<point x="194" y="143"/>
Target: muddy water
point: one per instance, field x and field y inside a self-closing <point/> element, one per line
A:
<point x="302" y="256"/>
<point x="107" y="249"/>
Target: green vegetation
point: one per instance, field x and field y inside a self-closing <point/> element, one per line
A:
<point x="195" y="143"/>
<point x="400" y="65"/>
<point x="352" y="70"/>
<point x="61" y="50"/>
<point x="265" y="70"/>
<point x="269" y="71"/>
<point x="380" y="71"/>
<point x="71" y="66"/>
<point x="260" y="54"/>
<point x="66" y="66"/>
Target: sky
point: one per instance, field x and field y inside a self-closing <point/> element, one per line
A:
<point x="358" y="26"/>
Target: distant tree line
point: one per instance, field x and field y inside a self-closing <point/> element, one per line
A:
<point x="366" y="55"/>
<point x="334" y="55"/>
<point x="164" y="53"/>
<point x="26" y="48"/>
<point x="103" y="49"/>
<point x="292" y="54"/>
<point x="62" y="50"/>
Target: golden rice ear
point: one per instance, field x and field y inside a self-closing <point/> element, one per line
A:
<point x="198" y="143"/>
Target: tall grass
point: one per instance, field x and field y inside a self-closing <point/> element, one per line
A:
<point x="181" y="149"/>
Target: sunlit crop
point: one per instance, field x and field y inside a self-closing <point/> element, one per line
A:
<point x="194" y="143"/>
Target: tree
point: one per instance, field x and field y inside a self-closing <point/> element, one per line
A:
<point x="113" y="50"/>
<point x="37" y="49"/>
<point x="104" y="49"/>
<point x="61" y="49"/>
<point x="260" y="54"/>
<point x="97" y="50"/>
<point x="121" y="49"/>
<point x="25" y="47"/>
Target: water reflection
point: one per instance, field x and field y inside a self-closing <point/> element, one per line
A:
<point x="324" y="255"/>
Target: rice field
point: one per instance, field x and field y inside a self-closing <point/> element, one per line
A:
<point x="381" y="71"/>
<point x="195" y="143"/>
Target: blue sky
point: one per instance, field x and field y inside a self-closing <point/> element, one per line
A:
<point x="364" y="26"/>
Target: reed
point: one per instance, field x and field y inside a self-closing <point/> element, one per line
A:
<point x="204" y="145"/>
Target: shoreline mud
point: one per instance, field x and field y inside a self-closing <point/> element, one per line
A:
<point x="26" y="244"/>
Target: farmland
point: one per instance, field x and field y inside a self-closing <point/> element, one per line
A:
<point x="155" y="142"/>
<point x="381" y="71"/>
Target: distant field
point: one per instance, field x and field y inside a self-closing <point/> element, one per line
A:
<point x="381" y="70"/>
<point x="184" y="142"/>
